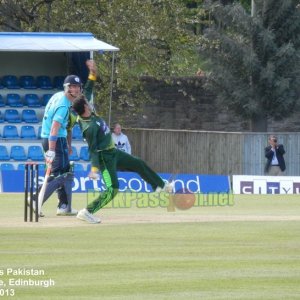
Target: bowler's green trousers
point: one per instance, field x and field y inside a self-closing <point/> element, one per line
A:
<point x="113" y="160"/>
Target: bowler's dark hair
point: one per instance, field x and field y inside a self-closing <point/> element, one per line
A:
<point x="78" y="104"/>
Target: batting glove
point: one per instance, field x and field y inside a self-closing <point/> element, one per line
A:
<point x="49" y="156"/>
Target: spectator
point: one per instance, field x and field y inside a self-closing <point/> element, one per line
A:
<point x="120" y="139"/>
<point x="275" y="165"/>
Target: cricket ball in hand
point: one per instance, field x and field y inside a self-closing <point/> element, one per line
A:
<point x="184" y="199"/>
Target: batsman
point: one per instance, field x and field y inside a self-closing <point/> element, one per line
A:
<point x="56" y="136"/>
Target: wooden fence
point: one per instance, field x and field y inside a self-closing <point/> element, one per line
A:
<point x="206" y="152"/>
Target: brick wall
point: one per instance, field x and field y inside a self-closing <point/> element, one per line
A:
<point x="184" y="104"/>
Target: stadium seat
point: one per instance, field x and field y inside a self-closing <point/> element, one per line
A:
<point x="10" y="132"/>
<point x="35" y="153"/>
<point x="84" y="153"/>
<point x="74" y="156"/>
<point x="7" y="167"/>
<point x="58" y="82"/>
<point x="76" y="133"/>
<point x="78" y="167"/>
<point x="46" y="98"/>
<point x="1" y="118"/>
<point x="44" y="82"/>
<point x="14" y="100"/>
<point x="32" y="100"/>
<point x="10" y="82"/>
<point x="2" y="103"/>
<point x="39" y="132"/>
<point x="4" y="153"/>
<point x="27" y="82"/>
<point x="18" y="153"/>
<point x="29" y="116"/>
<point x="28" y="132"/>
<point x="12" y="116"/>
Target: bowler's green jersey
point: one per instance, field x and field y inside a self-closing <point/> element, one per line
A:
<point x="98" y="136"/>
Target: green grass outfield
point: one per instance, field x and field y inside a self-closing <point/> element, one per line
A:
<point x="250" y="250"/>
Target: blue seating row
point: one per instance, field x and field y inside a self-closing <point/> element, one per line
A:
<point x="26" y="132"/>
<point x="30" y="100"/>
<point x="42" y="167"/>
<point x="18" y="153"/>
<point x="29" y="82"/>
<point x="35" y="153"/>
<point x="29" y="132"/>
<point x="13" y="116"/>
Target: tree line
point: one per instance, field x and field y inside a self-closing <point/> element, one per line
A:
<point x="248" y="50"/>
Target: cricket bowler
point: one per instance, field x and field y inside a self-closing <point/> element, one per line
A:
<point x="108" y="160"/>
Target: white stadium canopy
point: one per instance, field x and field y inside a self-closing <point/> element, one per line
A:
<point x="52" y="42"/>
<point x="65" y="42"/>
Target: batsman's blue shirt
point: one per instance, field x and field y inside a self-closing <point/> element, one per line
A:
<point x="57" y="110"/>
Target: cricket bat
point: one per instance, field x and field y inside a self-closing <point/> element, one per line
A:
<point x="43" y="189"/>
